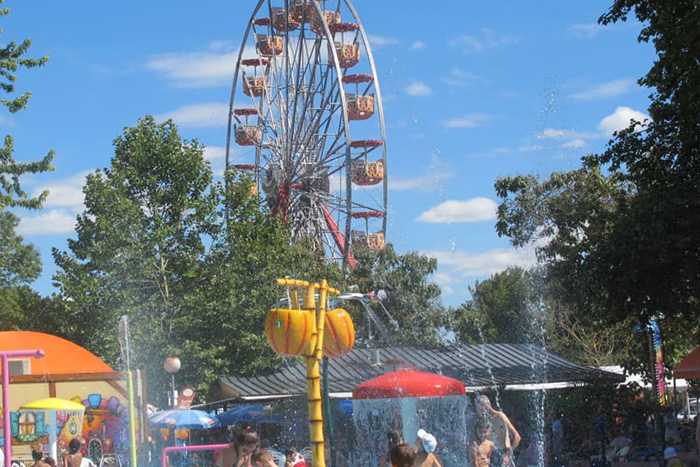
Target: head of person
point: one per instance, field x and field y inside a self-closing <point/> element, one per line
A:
<point x="290" y="454"/>
<point x="247" y="442"/>
<point x="483" y="404"/>
<point x="483" y="430"/>
<point x="402" y="455"/>
<point x="262" y="458"/>
<point x="425" y="441"/>
<point x="50" y="460"/>
<point x="394" y="437"/>
<point x="37" y="455"/>
<point x="74" y="446"/>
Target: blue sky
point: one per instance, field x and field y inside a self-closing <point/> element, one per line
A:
<point x="472" y="91"/>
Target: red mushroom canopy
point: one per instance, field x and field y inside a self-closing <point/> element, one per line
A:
<point x="408" y="383"/>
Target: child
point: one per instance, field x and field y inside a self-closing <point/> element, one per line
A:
<point x="482" y="449"/>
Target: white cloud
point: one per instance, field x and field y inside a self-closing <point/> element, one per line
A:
<point x="610" y="89"/>
<point x="66" y="193"/>
<point x="196" y="69"/>
<point x="426" y="181"/>
<point x="212" y="114"/>
<point x="454" y="211"/>
<point x="574" y="143"/>
<point x="585" y="31"/>
<point x="531" y="148"/>
<point x="559" y="133"/>
<point x="54" y="221"/>
<point x="469" y="121"/>
<point x="484" y="40"/>
<point x="458" y="77"/>
<point x="463" y="266"/>
<point x="214" y="152"/>
<point x="418" y="45"/>
<point x="418" y="88"/>
<point x="382" y="40"/>
<point x="620" y="120"/>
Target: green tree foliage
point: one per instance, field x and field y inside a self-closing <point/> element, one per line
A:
<point x="412" y="299"/>
<point x="152" y="244"/>
<point x="500" y="310"/>
<point x="621" y="235"/>
<point x="19" y="261"/>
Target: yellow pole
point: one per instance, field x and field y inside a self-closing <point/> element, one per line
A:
<point x="132" y="417"/>
<point x="313" y="376"/>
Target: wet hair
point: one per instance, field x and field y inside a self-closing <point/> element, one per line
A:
<point x="74" y="446"/>
<point x="484" y="400"/>
<point x="262" y="455"/>
<point x="37" y="455"/>
<point x="394" y="436"/>
<point x="50" y="460"/>
<point x="290" y="451"/>
<point x="247" y="437"/>
<point x="482" y="423"/>
<point x="402" y="455"/>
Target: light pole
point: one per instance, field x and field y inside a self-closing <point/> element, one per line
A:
<point x="172" y="366"/>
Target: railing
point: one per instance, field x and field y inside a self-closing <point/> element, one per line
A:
<point x="202" y="447"/>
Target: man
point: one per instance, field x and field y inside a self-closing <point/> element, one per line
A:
<point x="402" y="455"/>
<point x="74" y="457"/>
<point x="503" y="434"/>
<point x="426" y="444"/>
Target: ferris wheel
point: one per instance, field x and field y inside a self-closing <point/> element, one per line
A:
<point x="306" y="120"/>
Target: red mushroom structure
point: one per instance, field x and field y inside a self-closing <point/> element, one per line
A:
<point x="408" y="383"/>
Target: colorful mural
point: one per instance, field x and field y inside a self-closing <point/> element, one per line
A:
<point x="103" y="427"/>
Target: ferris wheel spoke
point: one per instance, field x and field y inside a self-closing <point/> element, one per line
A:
<point x="306" y="164"/>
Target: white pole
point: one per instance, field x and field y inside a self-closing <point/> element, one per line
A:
<point x="53" y="444"/>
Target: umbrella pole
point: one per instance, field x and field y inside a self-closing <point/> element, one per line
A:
<point x="53" y="444"/>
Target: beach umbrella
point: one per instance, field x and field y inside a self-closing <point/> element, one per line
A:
<point x="248" y="414"/>
<point x="55" y="406"/>
<point x="182" y="420"/>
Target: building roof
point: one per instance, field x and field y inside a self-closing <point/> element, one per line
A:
<point x="689" y="367"/>
<point x="61" y="356"/>
<point x="476" y="366"/>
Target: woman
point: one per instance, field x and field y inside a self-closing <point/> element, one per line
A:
<point x="394" y="437"/>
<point x="239" y="452"/>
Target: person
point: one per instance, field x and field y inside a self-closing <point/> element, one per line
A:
<point x="37" y="457"/>
<point x="672" y="434"/>
<point x="482" y="448"/>
<point x="503" y="434"/>
<point x="402" y="455"/>
<point x="294" y="458"/>
<point x="394" y="437"/>
<point x="671" y="457"/>
<point x="557" y="436"/>
<point x="426" y="444"/>
<point x="239" y="452"/>
<point x="74" y="457"/>
<point x="263" y="458"/>
<point x="50" y="460"/>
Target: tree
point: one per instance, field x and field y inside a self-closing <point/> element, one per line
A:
<point x="500" y="310"/>
<point x="19" y="261"/>
<point x="412" y="299"/>
<point x="152" y="244"/>
<point x="625" y="246"/>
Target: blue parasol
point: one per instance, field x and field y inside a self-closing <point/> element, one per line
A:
<point x="182" y="420"/>
<point x="249" y="414"/>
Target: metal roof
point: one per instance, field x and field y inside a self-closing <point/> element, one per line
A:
<point x="476" y="366"/>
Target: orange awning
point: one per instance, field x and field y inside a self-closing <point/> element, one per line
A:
<point x="689" y="367"/>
